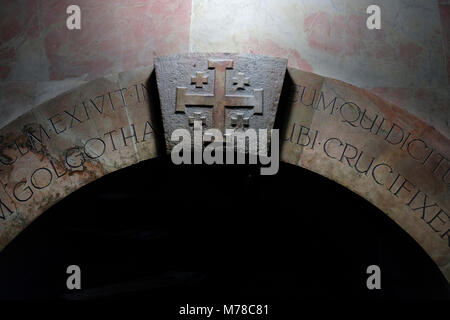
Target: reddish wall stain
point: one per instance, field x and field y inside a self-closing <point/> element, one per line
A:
<point x="271" y="48"/>
<point x="7" y="54"/>
<point x="337" y="34"/>
<point x="115" y="36"/>
<point x="4" y="72"/>
<point x="409" y="51"/>
<point x="18" y="18"/>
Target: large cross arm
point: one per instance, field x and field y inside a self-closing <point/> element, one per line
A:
<point x="255" y="101"/>
<point x="184" y="99"/>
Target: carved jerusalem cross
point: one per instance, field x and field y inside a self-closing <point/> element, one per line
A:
<point x="219" y="100"/>
<point x="222" y="90"/>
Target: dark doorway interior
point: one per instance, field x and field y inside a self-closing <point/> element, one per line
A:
<point x="164" y="232"/>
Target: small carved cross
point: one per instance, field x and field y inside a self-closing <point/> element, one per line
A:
<point x="199" y="79"/>
<point x="241" y="81"/>
<point x="239" y="121"/>
<point x="198" y="116"/>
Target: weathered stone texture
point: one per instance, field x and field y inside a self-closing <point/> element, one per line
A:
<point x="386" y="155"/>
<point x="71" y="140"/>
<point x="219" y="88"/>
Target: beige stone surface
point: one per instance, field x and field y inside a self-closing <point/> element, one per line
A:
<point x="71" y="140"/>
<point x="391" y="158"/>
<point x="386" y="155"/>
<point x="220" y="97"/>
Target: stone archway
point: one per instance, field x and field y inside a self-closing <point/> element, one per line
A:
<point x="386" y="155"/>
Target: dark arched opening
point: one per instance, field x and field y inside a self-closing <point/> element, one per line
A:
<point x="155" y="230"/>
